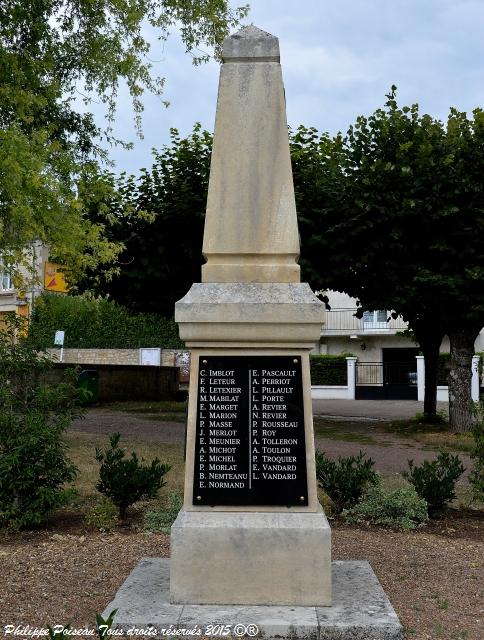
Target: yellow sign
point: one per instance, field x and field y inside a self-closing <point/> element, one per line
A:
<point x="8" y="324"/>
<point x="54" y="278"/>
<point x="23" y="311"/>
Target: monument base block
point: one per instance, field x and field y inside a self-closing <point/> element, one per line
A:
<point x="361" y="610"/>
<point x="250" y="558"/>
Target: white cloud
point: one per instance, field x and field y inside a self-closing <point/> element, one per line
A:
<point x="339" y="59"/>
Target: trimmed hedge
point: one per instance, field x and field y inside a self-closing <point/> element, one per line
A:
<point x="328" y="370"/>
<point x="443" y="369"/>
<point x="98" y="324"/>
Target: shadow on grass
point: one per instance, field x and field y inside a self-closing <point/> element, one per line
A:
<point x="346" y="432"/>
<point x="431" y="435"/>
<point x="163" y="410"/>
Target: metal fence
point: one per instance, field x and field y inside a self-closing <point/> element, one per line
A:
<point x="392" y="373"/>
<point x="345" y="320"/>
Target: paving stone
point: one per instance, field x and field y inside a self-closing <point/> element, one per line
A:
<point x="360" y="609"/>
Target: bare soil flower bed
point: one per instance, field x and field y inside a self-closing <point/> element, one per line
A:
<point x="66" y="573"/>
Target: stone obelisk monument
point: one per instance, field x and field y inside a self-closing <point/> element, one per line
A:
<point x="251" y="530"/>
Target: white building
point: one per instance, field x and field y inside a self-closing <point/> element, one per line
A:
<point x="386" y="358"/>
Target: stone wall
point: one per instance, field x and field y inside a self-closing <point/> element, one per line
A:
<point x="169" y="358"/>
<point x="128" y="382"/>
<point x="98" y="356"/>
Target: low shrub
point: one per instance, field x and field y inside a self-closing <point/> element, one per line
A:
<point x="399" y="509"/>
<point x="476" y="478"/>
<point x="438" y="418"/>
<point x="34" y="466"/>
<point x="162" y="519"/>
<point x="346" y="479"/>
<point x="435" y="481"/>
<point x="103" y="515"/>
<point x="125" y="481"/>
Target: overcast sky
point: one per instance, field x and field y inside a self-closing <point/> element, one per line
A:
<point x="339" y="58"/>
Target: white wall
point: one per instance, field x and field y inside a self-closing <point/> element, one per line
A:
<point x="374" y="345"/>
<point x="329" y="393"/>
<point x="340" y="300"/>
<point x="443" y="391"/>
<point x="338" y="392"/>
<point x="334" y="345"/>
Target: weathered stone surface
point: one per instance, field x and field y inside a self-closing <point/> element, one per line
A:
<point x="251" y="230"/>
<point x="359" y="605"/>
<point x="233" y="302"/>
<point x="251" y="44"/>
<point x="251" y="558"/>
<point x="266" y="313"/>
<point x="250" y="302"/>
<point x="361" y="610"/>
<point x="144" y="597"/>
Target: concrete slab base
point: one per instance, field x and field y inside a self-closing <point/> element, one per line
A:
<point x="360" y="610"/>
<point x="250" y="558"/>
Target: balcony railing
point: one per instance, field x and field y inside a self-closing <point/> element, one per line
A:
<point x="344" y="320"/>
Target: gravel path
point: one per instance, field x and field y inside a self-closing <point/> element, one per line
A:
<point x="136" y="427"/>
<point x="390" y="456"/>
<point x="66" y="573"/>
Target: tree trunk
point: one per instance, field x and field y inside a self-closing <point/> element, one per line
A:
<point x="429" y="340"/>
<point x="462" y="413"/>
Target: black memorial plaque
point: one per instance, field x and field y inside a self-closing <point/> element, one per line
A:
<point x="250" y="447"/>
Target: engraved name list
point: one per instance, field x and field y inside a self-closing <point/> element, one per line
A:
<point x="250" y="446"/>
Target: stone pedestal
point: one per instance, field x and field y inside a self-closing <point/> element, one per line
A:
<point x="251" y="558"/>
<point x="269" y="555"/>
<point x="251" y="531"/>
<point x="361" y="610"/>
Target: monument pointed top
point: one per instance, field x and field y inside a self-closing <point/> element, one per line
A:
<point x="251" y="44"/>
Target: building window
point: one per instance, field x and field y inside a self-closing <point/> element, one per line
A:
<point x="375" y="319"/>
<point x="5" y="278"/>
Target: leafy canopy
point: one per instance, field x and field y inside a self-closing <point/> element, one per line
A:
<point x="392" y="213"/>
<point x="54" y="55"/>
<point x="163" y="240"/>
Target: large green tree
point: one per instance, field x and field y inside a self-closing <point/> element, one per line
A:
<point x="53" y="54"/>
<point x="393" y="214"/>
<point x="162" y="236"/>
<point x="352" y="228"/>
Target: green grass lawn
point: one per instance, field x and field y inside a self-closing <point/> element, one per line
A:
<point x="81" y="450"/>
<point x="158" y="406"/>
<point x="431" y="435"/>
<point x="340" y="430"/>
<point x="167" y="410"/>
